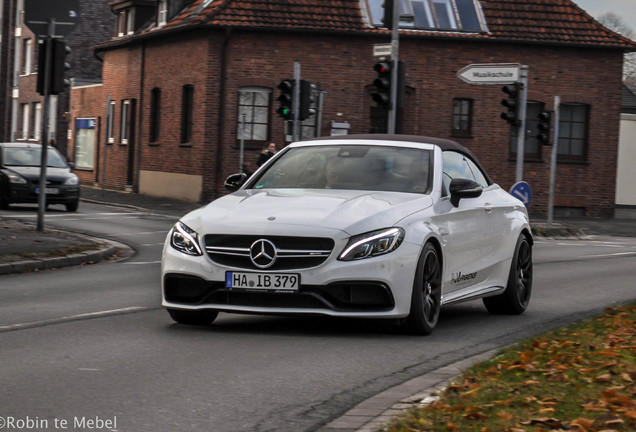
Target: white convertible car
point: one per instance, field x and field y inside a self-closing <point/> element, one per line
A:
<point x="361" y="226"/>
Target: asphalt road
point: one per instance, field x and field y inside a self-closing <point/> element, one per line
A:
<point x="91" y="343"/>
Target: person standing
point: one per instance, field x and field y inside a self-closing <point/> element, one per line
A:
<point x="266" y="154"/>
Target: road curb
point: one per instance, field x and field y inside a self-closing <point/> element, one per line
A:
<point x="373" y="413"/>
<point x="110" y="248"/>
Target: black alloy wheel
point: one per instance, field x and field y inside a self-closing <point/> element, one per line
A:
<point x="426" y="300"/>
<point x="516" y="297"/>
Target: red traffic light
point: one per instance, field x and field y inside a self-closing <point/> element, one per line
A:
<point x="382" y="68"/>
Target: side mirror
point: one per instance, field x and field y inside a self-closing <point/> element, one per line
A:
<point x="235" y="181"/>
<point x="464" y="188"/>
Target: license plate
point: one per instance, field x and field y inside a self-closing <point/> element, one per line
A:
<point x="49" y="191"/>
<point x="263" y="281"/>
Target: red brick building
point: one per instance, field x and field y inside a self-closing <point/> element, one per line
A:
<point x="184" y="81"/>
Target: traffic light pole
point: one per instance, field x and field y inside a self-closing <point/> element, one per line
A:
<point x="553" y="160"/>
<point x="395" y="44"/>
<point x="296" y="103"/>
<point x="45" y="127"/>
<point x="521" y="131"/>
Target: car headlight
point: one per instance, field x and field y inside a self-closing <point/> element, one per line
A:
<point x="72" y="181"/>
<point x="372" y="244"/>
<point x="185" y="239"/>
<point x="15" y="178"/>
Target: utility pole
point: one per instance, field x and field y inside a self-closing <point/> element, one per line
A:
<point x="521" y="132"/>
<point x="395" y="45"/>
<point x="45" y="125"/>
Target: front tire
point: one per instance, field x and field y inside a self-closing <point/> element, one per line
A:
<point x="72" y="206"/>
<point x="426" y="300"/>
<point x="196" y="317"/>
<point x="516" y="297"/>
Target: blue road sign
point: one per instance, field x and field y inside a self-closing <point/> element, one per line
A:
<point x="522" y="191"/>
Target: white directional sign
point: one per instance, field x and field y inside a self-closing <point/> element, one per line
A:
<point x="494" y="73"/>
<point x="382" y="50"/>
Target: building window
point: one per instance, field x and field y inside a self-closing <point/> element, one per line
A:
<point x="27" y="51"/>
<point x="125" y="123"/>
<point x="162" y="13"/>
<point x="130" y="21"/>
<point x="125" y="22"/>
<point x="573" y="125"/>
<point x="26" y="109"/>
<point x="187" y="113"/>
<point x="110" y="122"/>
<point x="531" y="145"/>
<point x="253" y="115"/>
<point x="85" y="143"/>
<point x="121" y="23"/>
<point x="37" y="120"/>
<point x="155" y="114"/>
<point x="462" y="117"/>
<point x="463" y="15"/>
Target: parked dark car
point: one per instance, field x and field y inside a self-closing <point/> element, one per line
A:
<point x="20" y="176"/>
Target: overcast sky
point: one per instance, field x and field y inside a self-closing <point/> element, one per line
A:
<point x="626" y="9"/>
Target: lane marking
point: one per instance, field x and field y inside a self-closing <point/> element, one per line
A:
<point x="78" y="317"/>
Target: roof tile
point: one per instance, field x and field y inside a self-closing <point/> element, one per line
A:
<point x="539" y="21"/>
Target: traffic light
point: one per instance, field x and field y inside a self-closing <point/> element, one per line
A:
<point x="512" y="102"/>
<point x="387" y="19"/>
<point x="543" y="127"/>
<point x="307" y="107"/>
<point x="286" y="99"/>
<point x="58" y="74"/>
<point x="382" y="83"/>
<point x="57" y="68"/>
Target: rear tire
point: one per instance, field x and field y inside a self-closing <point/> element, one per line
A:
<point x="514" y="300"/>
<point x="188" y="317"/>
<point x="426" y="300"/>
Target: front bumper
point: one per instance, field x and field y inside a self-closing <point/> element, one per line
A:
<point x="378" y="287"/>
<point x="28" y="194"/>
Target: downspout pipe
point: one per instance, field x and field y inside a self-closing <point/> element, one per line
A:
<point x="142" y="82"/>
<point x="218" y="181"/>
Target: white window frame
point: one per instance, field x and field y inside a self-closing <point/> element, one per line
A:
<point x="130" y="21"/>
<point x="110" y="122"/>
<point x="26" y="111"/>
<point x="121" y="24"/>
<point x="125" y="116"/>
<point x="162" y="13"/>
<point x="37" y="120"/>
<point x="27" y="57"/>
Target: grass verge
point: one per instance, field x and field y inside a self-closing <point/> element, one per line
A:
<point x="579" y="378"/>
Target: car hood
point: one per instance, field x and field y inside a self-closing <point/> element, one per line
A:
<point x="297" y="211"/>
<point x="33" y="173"/>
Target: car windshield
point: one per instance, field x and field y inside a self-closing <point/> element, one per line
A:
<point x="30" y="156"/>
<point x="356" y="167"/>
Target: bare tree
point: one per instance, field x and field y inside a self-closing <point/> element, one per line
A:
<point x="616" y="24"/>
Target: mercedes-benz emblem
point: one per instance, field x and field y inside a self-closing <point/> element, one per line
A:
<point x="263" y="253"/>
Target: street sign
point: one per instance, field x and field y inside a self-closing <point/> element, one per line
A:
<point x="522" y="191"/>
<point x="39" y="13"/>
<point x="494" y="73"/>
<point x="382" y="50"/>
